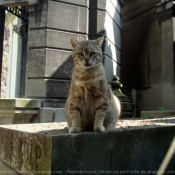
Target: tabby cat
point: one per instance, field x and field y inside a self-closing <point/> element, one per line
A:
<point x="91" y="104"/>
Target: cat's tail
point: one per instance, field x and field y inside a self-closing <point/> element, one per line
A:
<point x="117" y="103"/>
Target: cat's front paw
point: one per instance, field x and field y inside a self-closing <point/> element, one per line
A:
<point x="74" y="129"/>
<point x="99" y="129"/>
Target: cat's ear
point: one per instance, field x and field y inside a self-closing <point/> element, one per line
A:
<point x="74" y="42"/>
<point x="99" y="41"/>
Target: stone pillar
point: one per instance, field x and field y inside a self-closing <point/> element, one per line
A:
<point x="2" y="22"/>
<point x="148" y="53"/>
<point x="105" y="19"/>
<point x="167" y="23"/>
<point x="49" y="62"/>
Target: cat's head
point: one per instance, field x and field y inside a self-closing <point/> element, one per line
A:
<point x="87" y="54"/>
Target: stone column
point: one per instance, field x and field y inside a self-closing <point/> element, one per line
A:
<point x="165" y="11"/>
<point x="148" y="53"/>
<point x="2" y="22"/>
<point x="105" y="19"/>
<point x="49" y="62"/>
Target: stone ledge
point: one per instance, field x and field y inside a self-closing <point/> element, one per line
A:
<point x="7" y="3"/>
<point x="12" y="103"/>
<point x="19" y="110"/>
<point x="48" y="115"/>
<point x="160" y="114"/>
<point x="6" y="170"/>
<point x="133" y="146"/>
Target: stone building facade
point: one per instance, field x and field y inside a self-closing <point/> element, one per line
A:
<point x="148" y="53"/>
<point x="138" y="47"/>
<point x="51" y="24"/>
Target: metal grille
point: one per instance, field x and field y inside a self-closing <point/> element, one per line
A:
<point x="19" y="13"/>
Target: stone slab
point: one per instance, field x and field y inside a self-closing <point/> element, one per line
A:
<point x="76" y="2"/>
<point x="106" y="5"/>
<point x="112" y="51"/>
<point x="160" y="114"/>
<point x="50" y="38"/>
<point x="60" y="115"/>
<point x="68" y="17"/>
<point x="103" y="24"/>
<point x="44" y="148"/>
<point x="111" y="68"/>
<point x="18" y="2"/>
<point x="53" y="103"/>
<point x="48" y="115"/>
<point x="53" y="88"/>
<point x="12" y="103"/>
<point x="137" y="7"/>
<point x="56" y="15"/>
<point x="135" y="57"/>
<point x="6" y="170"/>
<point x="18" y="116"/>
<point x="50" y="63"/>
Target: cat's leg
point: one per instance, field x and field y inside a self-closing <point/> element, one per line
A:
<point x="99" y="120"/>
<point x="75" y="121"/>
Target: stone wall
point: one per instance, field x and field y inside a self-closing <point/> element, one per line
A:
<point x="105" y="19"/>
<point x="51" y="25"/>
<point x="2" y="24"/>
<point x="49" y="62"/>
<point x="50" y="149"/>
<point x="148" y="53"/>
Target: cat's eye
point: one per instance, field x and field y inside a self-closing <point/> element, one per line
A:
<point x="80" y="54"/>
<point x="92" y="54"/>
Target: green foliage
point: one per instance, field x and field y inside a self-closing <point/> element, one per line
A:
<point x="160" y="108"/>
<point x="23" y="96"/>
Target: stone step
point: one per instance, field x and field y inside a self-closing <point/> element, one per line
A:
<point x="19" y="110"/>
<point x="158" y="113"/>
<point x="52" y="115"/>
<point x="134" y="147"/>
<point x="6" y="170"/>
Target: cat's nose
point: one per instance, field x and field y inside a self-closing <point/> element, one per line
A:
<point x="86" y="60"/>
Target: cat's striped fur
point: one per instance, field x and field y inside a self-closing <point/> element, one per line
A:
<point x="91" y="104"/>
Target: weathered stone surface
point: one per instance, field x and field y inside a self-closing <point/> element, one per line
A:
<point x="112" y="51"/>
<point x="68" y="17"/>
<point x="147" y="42"/>
<point x="12" y="103"/>
<point x="135" y="61"/>
<point x="19" y="110"/>
<point x="44" y="147"/>
<point x="38" y="15"/>
<point x="47" y="88"/>
<point x="18" y="116"/>
<point x="53" y="103"/>
<point x="77" y="2"/>
<point x="106" y="5"/>
<point x="56" y="15"/>
<point x="111" y="68"/>
<point x="24" y="151"/>
<point x="48" y="115"/>
<point x="6" y="170"/>
<point x="103" y="24"/>
<point x="60" y="115"/>
<point x="137" y="7"/>
<point x="50" y="63"/>
<point x="52" y="38"/>
<point x="160" y="114"/>
<point x="2" y="25"/>
<point x="18" y="2"/>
